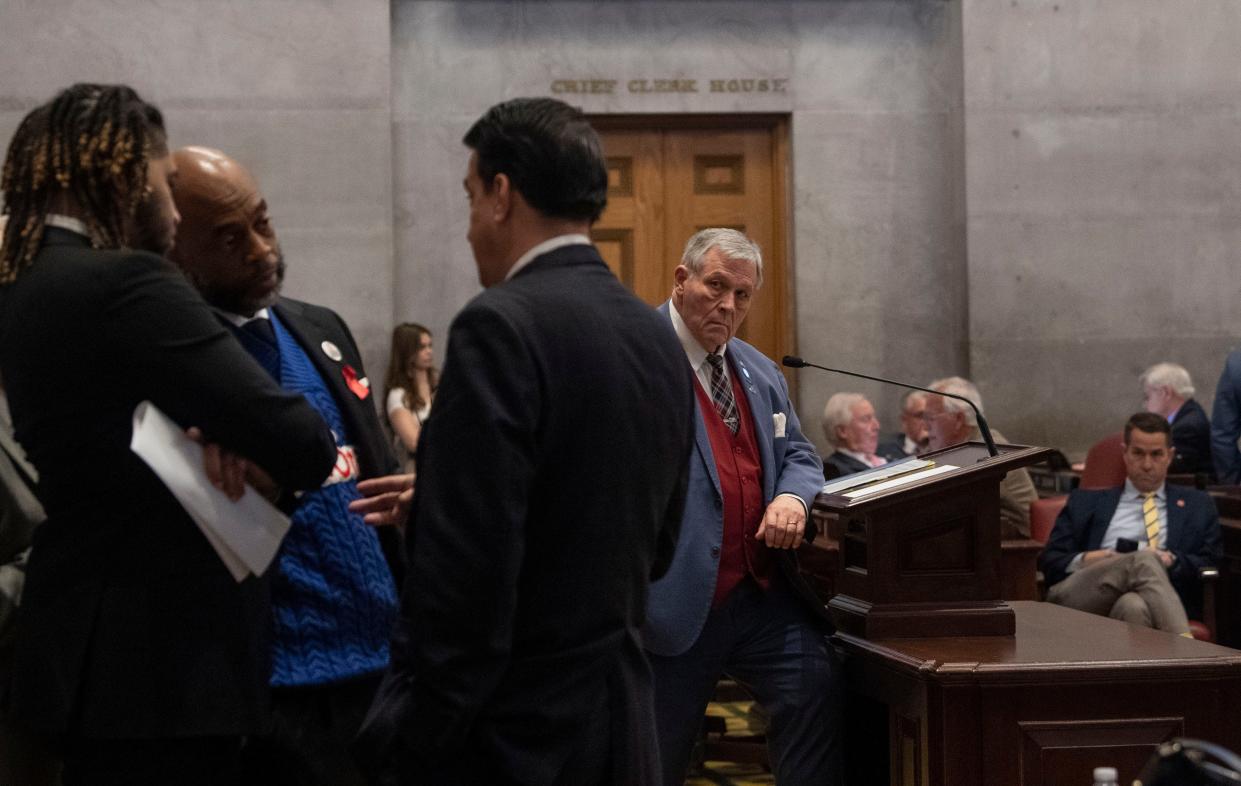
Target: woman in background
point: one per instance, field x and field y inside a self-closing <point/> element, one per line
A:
<point x="411" y="383"/>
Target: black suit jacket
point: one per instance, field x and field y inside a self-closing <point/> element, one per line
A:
<point x="550" y="490"/>
<point x="311" y="326"/>
<point x="837" y="465"/>
<point x="130" y="626"/>
<point x="1191" y="436"/>
<point x="892" y="447"/>
<point x="1193" y="536"/>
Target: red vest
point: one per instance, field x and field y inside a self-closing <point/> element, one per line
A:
<point x="740" y="469"/>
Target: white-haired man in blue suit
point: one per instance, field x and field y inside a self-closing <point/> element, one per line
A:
<point x="728" y="605"/>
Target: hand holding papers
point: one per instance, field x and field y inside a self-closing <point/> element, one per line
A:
<point x="245" y="534"/>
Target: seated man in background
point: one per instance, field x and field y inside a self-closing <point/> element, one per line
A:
<point x="951" y="422"/>
<point x="1168" y="391"/>
<point x="850" y="425"/>
<point x="911" y="439"/>
<point x="1133" y="552"/>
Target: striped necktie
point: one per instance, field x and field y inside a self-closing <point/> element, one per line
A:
<point x="722" y="393"/>
<point x="1150" y="514"/>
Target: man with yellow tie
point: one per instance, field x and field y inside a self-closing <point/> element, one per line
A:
<point x="1134" y="552"/>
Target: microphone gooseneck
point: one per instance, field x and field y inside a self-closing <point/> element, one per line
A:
<point x="792" y="361"/>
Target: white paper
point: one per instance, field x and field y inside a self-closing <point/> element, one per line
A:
<point x="901" y="481"/>
<point x="246" y="533"/>
<point x="884" y="472"/>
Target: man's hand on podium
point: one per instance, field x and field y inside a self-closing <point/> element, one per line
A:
<point x="783" y="524"/>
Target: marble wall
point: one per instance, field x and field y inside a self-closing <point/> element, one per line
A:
<point x="297" y="90"/>
<point x="1039" y="194"/>
<point x="873" y="91"/>
<point x="1103" y="176"/>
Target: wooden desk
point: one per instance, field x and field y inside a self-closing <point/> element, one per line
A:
<point x="1228" y="591"/>
<point x="1068" y="692"/>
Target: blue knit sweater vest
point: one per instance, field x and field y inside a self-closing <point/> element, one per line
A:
<point x="333" y="599"/>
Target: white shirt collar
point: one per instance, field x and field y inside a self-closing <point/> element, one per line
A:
<point x="238" y="320"/>
<point x="860" y="456"/>
<point x="693" y="350"/>
<point x="1131" y="491"/>
<point x="551" y="244"/>
<point x="67" y="222"/>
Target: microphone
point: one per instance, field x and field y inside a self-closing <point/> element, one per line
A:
<point x="792" y="361"/>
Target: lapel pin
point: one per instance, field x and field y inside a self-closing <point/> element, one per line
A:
<point x="359" y="387"/>
<point x="1180" y="503"/>
<point x="331" y="350"/>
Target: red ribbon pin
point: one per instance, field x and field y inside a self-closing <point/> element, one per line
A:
<point x="358" y="386"/>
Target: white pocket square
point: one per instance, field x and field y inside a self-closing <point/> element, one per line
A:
<point x="778" y="420"/>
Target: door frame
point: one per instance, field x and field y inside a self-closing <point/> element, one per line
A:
<point x="778" y="124"/>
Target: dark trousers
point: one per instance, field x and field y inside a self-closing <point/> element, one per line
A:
<point x="772" y="647"/>
<point x="312" y="728"/>
<point x="186" y="761"/>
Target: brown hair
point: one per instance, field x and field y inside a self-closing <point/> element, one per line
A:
<point x="91" y="142"/>
<point x="1148" y="423"/>
<point x="406" y="337"/>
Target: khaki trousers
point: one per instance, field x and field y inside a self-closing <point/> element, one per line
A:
<point x="1133" y="587"/>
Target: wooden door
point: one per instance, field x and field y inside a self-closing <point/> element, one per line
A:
<point x="670" y="177"/>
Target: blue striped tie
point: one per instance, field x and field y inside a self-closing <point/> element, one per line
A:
<point x="722" y="393"/>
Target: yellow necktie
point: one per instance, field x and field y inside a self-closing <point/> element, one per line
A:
<point x="1150" y="514"/>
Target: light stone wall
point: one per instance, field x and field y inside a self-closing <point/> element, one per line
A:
<point x="877" y="225"/>
<point x="297" y="90"/>
<point x="1103" y="176"/>
<point x="1081" y="151"/>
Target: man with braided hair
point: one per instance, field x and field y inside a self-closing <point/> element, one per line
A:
<point x="136" y="650"/>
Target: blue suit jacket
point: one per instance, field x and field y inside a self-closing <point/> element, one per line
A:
<point x="1226" y="421"/>
<point x="1193" y="536"/>
<point x="680" y="600"/>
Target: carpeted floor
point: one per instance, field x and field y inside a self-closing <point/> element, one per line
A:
<point x="738" y="720"/>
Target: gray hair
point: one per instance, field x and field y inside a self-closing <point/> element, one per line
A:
<point x="959" y="386"/>
<point x="731" y="243"/>
<point x="911" y="397"/>
<point x="1169" y="375"/>
<point x="838" y="412"/>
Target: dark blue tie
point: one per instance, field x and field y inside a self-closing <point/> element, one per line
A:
<point x="259" y="338"/>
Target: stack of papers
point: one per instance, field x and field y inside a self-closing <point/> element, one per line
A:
<point x="901" y="480"/>
<point x="877" y="474"/>
<point x="889" y="476"/>
<point x="246" y="533"/>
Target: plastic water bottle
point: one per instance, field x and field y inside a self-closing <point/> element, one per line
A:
<point x="1105" y="776"/>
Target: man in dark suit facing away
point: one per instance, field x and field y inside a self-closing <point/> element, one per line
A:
<point x="1167" y="390"/>
<point x="550" y="489"/>
<point x="136" y="648"/>
<point x="333" y="596"/>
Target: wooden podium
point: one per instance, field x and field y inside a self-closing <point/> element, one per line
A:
<point x="951" y="686"/>
<point x="921" y="559"/>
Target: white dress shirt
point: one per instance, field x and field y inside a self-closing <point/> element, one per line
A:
<point x="1129" y="522"/>
<point x="551" y="244"/>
